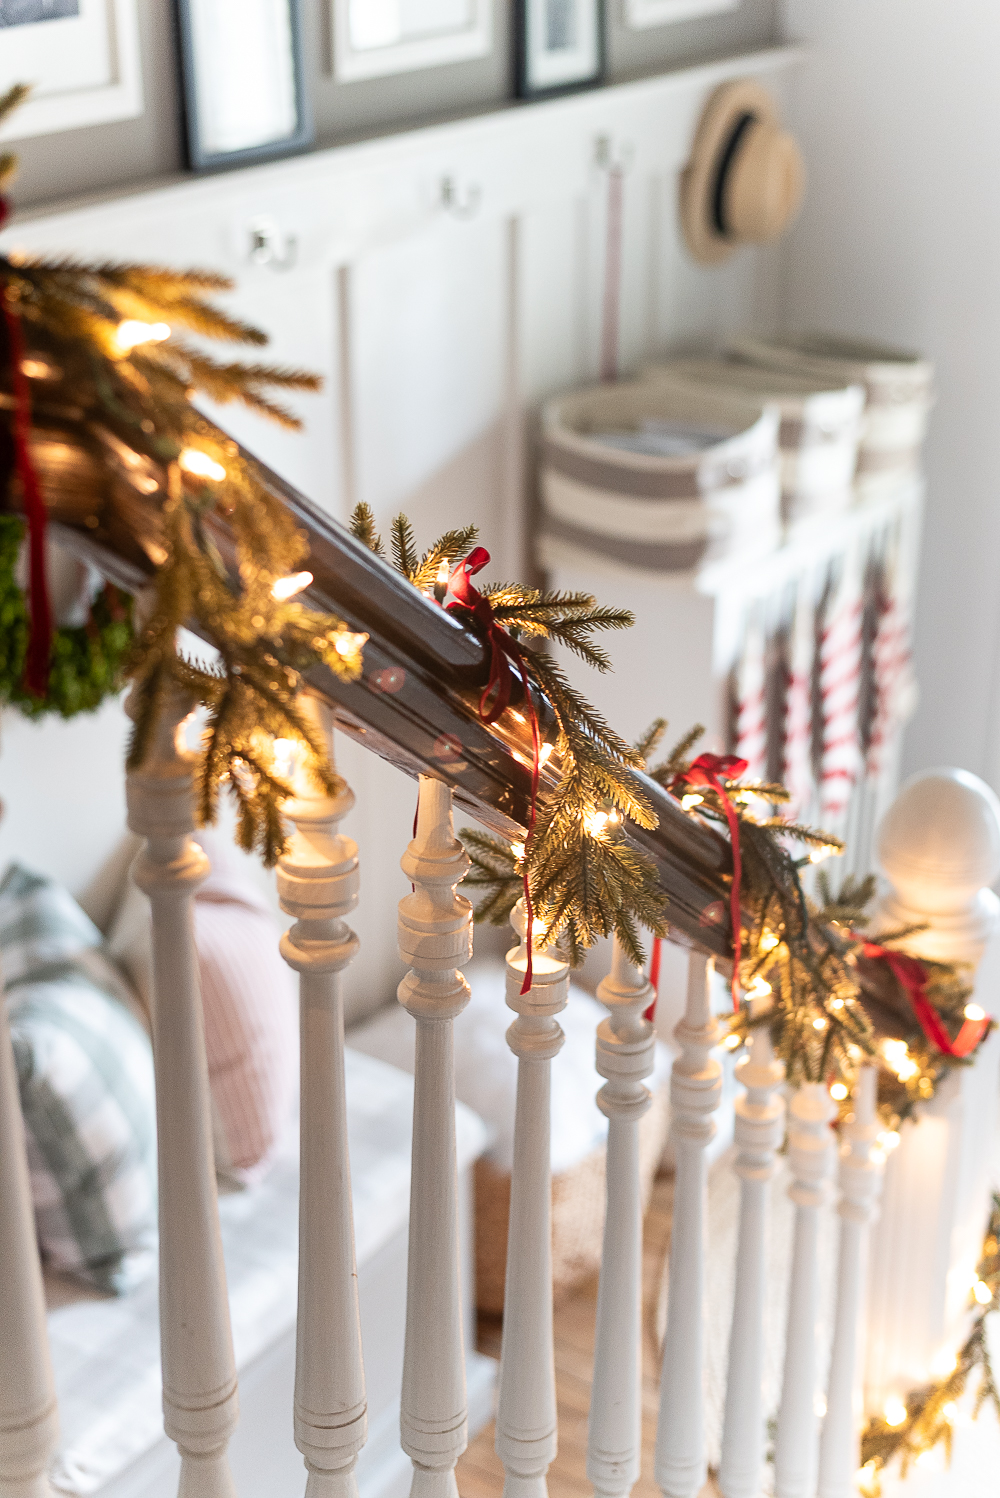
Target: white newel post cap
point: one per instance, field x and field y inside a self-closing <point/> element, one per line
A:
<point x="939" y="846"/>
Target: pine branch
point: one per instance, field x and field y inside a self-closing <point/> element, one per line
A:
<point x="363" y="528"/>
<point x="403" y="547"/>
<point x="650" y="740"/>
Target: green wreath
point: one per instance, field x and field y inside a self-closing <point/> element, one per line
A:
<point x="88" y="660"/>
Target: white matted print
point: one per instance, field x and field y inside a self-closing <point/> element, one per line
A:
<point x="643" y="13"/>
<point x="81" y="58"/>
<point x="560" y="45"/>
<point x="372" y="38"/>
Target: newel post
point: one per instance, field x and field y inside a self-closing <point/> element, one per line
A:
<point x="29" y="1422"/>
<point x="526" y="1436"/>
<point x="695" y="1092"/>
<point x="939" y="846"/>
<point x="435" y="936"/>
<point x="318" y="885"/>
<point x="625" y="1044"/>
<point x="200" y="1399"/>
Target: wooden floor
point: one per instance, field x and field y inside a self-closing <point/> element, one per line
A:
<point x="479" y="1472"/>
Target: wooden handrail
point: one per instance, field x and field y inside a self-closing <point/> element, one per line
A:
<point x="424" y="669"/>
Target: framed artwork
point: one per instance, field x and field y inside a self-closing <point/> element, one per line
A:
<point x="372" y="38"/>
<point x="559" y="46"/>
<point x="640" y="14"/>
<point x="82" y="57"/>
<point x="243" y="81"/>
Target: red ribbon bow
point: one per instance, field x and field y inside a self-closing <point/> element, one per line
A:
<point x="36" y="666"/>
<point x="707" y="770"/>
<point x="503" y="650"/>
<point x="911" y="973"/>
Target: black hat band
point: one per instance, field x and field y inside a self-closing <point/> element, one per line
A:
<point x="726" y="159"/>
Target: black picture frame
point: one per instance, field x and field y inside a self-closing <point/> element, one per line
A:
<point x="543" y="74"/>
<point x="204" y="152"/>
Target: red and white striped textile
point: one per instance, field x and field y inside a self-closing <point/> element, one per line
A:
<point x="839" y="690"/>
<point x="892" y="662"/>
<point x="750" y="738"/>
<point x="798" y="732"/>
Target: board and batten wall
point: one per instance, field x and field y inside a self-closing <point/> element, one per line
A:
<point x="437" y="336"/>
<point x="104" y="157"/>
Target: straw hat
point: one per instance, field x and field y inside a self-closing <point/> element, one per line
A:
<point x="745" y="179"/>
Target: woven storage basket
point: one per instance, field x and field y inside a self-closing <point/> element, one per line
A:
<point x="717" y="495"/>
<point x="577" y="1212"/>
<point x="898" y="388"/>
<point x="818" y="433"/>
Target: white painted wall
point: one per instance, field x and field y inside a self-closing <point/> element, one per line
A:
<point x="899" y="240"/>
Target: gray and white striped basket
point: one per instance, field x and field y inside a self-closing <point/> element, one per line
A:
<point x="818" y="433"/>
<point x="899" y="394"/>
<point x="658" y="513"/>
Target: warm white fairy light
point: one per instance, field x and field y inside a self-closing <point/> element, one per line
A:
<point x="894" y="1411"/>
<point x="974" y="1012"/>
<point x="768" y="941"/>
<point x="518" y="850"/>
<point x="826" y="851"/>
<point x="836" y="1003"/>
<point x="944" y="1361"/>
<point x="691" y="799"/>
<point x="545" y="753"/>
<point x="888" y="1140"/>
<point x="899" y="1060"/>
<point x="345" y="642"/>
<point x="759" y="988"/>
<point x="982" y="1292"/>
<point x="820" y="1023"/>
<point x="193" y="460"/>
<point x="732" y="1042"/>
<point x="838" y="1092"/>
<point x="287" y="587"/>
<point x="283" y="753"/>
<point x="130" y="334"/>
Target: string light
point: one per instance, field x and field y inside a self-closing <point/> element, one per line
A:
<point x="899" y="1060"/>
<point x="826" y="851"/>
<point x="888" y="1140"/>
<point x="894" y="1411"/>
<point x="868" y="1480"/>
<point x="982" y="1292"/>
<point x="193" y="460"/>
<point x="836" y="1003"/>
<point x="345" y="643"/>
<point x="441" y="581"/>
<point x="518" y="850"/>
<point x="759" y="988"/>
<point x="768" y="941"/>
<point x="820" y="1023"/>
<point x="732" y="1042"/>
<point x="283" y="754"/>
<point x="130" y="334"/>
<point x="944" y="1362"/>
<point x="974" y="1012"/>
<point x="545" y="754"/>
<point x="287" y="587"/>
<point x="838" y="1092"/>
<point x="691" y="799"/>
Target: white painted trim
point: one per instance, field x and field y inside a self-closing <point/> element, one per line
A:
<point x="121" y="100"/>
<point x="350" y="63"/>
<point x="641" y="14"/>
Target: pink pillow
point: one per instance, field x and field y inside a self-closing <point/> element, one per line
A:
<point x="249" y="996"/>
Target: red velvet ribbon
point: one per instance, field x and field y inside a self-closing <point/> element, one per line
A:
<point x="503" y="650"/>
<point x="36" y="666"/>
<point x="654" y="977"/>
<point x="706" y="770"/>
<point x="912" y="974"/>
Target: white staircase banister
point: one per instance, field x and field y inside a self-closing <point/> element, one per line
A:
<point x="526" y="1436"/>
<point x="696" y="1090"/>
<point x="435" y="937"/>
<point x="759" y="1129"/>
<point x="200" y="1399"/>
<point x="29" y="1421"/>
<point x="625" y="1045"/>
<point x="318" y="885"/>
<point x="860" y="1179"/>
<point x="811" y="1157"/>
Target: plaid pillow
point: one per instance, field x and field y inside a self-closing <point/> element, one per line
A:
<point x="85" y="1073"/>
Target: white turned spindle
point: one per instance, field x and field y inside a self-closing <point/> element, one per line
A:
<point x="759" y="1130"/>
<point x="811" y="1157"/>
<point x="200" y="1399"/>
<point x="318" y="884"/>
<point x="29" y="1423"/>
<point x="435" y="936"/>
<point x="625" y="1044"/>
<point x="860" y="1179"/>
<point x="526" y="1435"/>
<point x="695" y="1092"/>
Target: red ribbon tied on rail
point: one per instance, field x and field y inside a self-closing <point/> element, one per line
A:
<point x="36" y="666"/>
<point x="708" y="769"/>
<point x="496" y="693"/>
<point x="911" y="974"/>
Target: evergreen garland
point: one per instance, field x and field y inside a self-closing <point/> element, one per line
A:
<point x="586" y="880"/>
<point x="928" y="1413"/>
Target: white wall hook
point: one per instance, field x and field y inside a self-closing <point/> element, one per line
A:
<point x="458" y="203"/>
<point x="613" y="156"/>
<point x="269" y="246"/>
